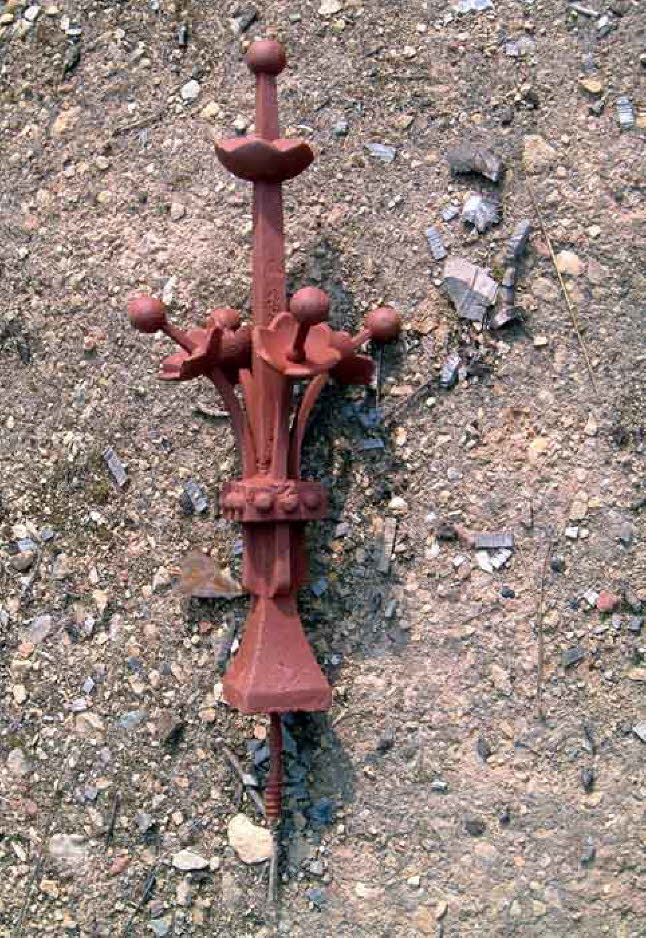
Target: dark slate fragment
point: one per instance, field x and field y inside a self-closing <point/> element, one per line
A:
<point x="469" y="287"/>
<point x="474" y="826"/>
<point x="468" y="158"/>
<point x="193" y="499"/>
<point x="116" y="467"/>
<point x="572" y="656"/>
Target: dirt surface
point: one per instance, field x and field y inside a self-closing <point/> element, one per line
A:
<point x="432" y="800"/>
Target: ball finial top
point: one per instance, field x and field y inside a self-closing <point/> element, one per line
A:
<point x="384" y="324"/>
<point x="146" y="313"/>
<point x="266" y="56"/>
<point x="310" y="306"/>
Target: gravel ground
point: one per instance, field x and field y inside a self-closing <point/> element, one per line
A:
<point x="433" y="799"/>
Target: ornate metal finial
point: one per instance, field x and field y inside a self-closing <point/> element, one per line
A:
<point x="274" y="670"/>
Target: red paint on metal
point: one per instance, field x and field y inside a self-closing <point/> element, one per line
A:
<point x="274" y="670"/>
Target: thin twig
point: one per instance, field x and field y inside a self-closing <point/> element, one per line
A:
<point x="37" y="868"/>
<point x="539" y="629"/>
<point x="234" y="762"/>
<point x="109" y="833"/>
<point x="566" y="296"/>
<point x="138" y="124"/>
<point x="146" y="894"/>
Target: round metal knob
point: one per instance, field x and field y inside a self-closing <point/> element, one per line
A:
<point x="384" y="324"/>
<point x="289" y="502"/>
<point x="263" y="501"/>
<point x="267" y="56"/>
<point x="310" y="306"/>
<point x="146" y="313"/>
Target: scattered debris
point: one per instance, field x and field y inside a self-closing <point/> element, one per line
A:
<point x="381" y="152"/>
<point x="234" y="762"/>
<point x="182" y="35"/>
<point x="450" y="371"/>
<point x="519" y="48"/>
<point x="508" y="311"/>
<point x="640" y="730"/>
<point x="468" y="158"/>
<point x="72" y="57"/>
<point x="387" y="544"/>
<point x="244" y="20"/>
<point x="491" y="561"/>
<point x="625" y="113"/>
<point x="450" y="212"/>
<point x="469" y="287"/>
<point x="493" y="541"/>
<point x="187" y="861"/>
<point x="252" y="843"/>
<point x="583" y="10"/>
<point x="572" y="656"/>
<point x="193" y="499"/>
<point x="474" y="826"/>
<point x="481" y="211"/>
<point x="116" y="468"/>
<point x="200" y="579"/>
<point x="471" y="6"/>
<point x="435" y="243"/>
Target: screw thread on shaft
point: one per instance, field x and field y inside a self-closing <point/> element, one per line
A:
<point x="274" y="787"/>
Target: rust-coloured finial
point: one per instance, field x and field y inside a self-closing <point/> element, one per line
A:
<point x="274" y="670"/>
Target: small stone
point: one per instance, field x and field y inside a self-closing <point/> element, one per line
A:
<point x="507" y="592"/>
<point x="381" y="152"/>
<point x="398" y="505"/>
<point x="626" y="534"/>
<point x="607" y="601"/>
<point x="640" y="730"/>
<point x="636" y="674"/>
<point x="19" y="693"/>
<point x="119" y="864"/>
<point x="588" y="855"/>
<point x="210" y="111"/>
<point x="414" y="881"/>
<point x="341" y="128"/>
<point x="160" y="927"/>
<point x="190" y="91"/>
<point x="540" y="341"/>
<point x="579" y="507"/>
<point x="252" y="843"/>
<point x="32" y="12"/>
<point x="131" y="719"/>
<point x="330" y="7"/>
<point x="567" y="262"/>
<point x="61" y="567"/>
<point x="161" y="580"/>
<point x="177" y="211"/>
<point x="538" y="155"/>
<point x="18" y="764"/>
<point x="39" y="629"/>
<point x="572" y="532"/>
<point x="240" y="125"/>
<point x="23" y="561"/>
<point x="587" y="780"/>
<point x="572" y="656"/>
<point x="474" y="826"/>
<point x="501" y="679"/>
<point x="187" y="860"/>
<point x="634" y="624"/>
<point x="69" y="849"/>
<point x="439" y="785"/>
<point x="102" y="163"/>
<point x="483" y="748"/>
<point x="591" y="85"/>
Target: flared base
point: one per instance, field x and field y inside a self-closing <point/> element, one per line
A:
<point x="274" y="670"/>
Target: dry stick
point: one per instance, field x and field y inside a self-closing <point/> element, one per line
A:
<point x="234" y="762"/>
<point x="37" y="868"/>
<point x="573" y="314"/>
<point x="539" y="629"/>
<point x="109" y="834"/>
